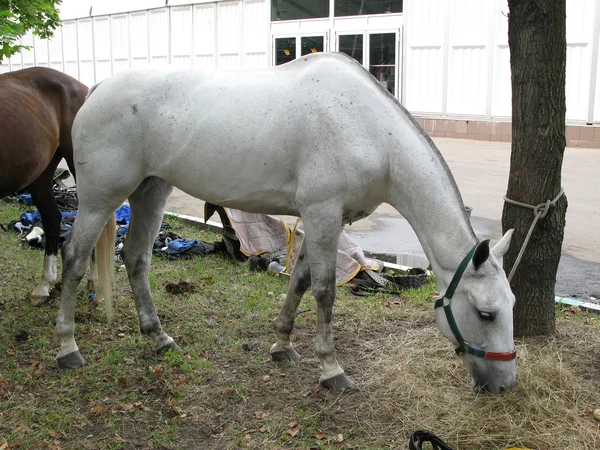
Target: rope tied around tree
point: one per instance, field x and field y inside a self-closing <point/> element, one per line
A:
<point x="540" y="211"/>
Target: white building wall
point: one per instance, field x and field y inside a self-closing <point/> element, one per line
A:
<point x="121" y="34"/>
<point x="458" y="61"/>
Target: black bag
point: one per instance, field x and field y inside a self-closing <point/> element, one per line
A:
<point x="419" y="437"/>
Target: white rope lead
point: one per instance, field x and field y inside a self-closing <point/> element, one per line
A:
<point x="540" y="212"/>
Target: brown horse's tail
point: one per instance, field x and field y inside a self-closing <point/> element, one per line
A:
<point x="105" y="251"/>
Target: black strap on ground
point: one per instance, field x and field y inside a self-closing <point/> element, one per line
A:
<point x="419" y="437"/>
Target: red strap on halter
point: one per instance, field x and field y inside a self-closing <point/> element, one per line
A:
<point x="501" y="356"/>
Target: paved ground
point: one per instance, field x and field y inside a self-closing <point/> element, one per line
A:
<point x="481" y="171"/>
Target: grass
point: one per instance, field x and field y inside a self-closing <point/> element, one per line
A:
<point x="218" y="395"/>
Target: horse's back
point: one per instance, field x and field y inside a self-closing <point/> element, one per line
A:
<point x="37" y="108"/>
<point x="273" y="131"/>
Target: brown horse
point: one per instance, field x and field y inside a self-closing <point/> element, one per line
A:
<point x="37" y="108"/>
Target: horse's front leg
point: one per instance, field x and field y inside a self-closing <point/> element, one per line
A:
<point x="283" y="350"/>
<point x="43" y="198"/>
<point x="323" y="229"/>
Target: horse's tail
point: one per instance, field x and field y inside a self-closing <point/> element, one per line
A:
<point x="92" y="89"/>
<point x="105" y="250"/>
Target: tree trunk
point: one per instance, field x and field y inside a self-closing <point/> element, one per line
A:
<point x="537" y="42"/>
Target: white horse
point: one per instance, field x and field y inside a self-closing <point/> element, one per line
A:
<point x="316" y="138"/>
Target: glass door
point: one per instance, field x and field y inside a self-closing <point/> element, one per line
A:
<point x="352" y="45"/>
<point x="382" y="59"/>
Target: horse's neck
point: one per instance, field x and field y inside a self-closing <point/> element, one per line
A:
<point x="424" y="191"/>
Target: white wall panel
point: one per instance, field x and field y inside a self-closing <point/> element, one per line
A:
<point x="55" y="50"/>
<point x="16" y="62"/>
<point x="119" y="38"/>
<point x="41" y="51"/>
<point x="102" y="53"/>
<point x="468" y="58"/>
<point x="579" y="57"/>
<point x="254" y="38"/>
<point x="204" y="35"/>
<point x="70" y="58"/>
<point x="85" y="40"/>
<point x="138" y="32"/>
<point x="181" y="35"/>
<point x="159" y="36"/>
<point x="28" y="54"/>
<point x="229" y="29"/>
<point x="424" y="37"/>
<point x="501" y="88"/>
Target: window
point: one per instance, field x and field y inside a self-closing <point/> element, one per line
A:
<point x="352" y="45"/>
<point x="299" y="9"/>
<point x="382" y="59"/>
<point x="285" y="50"/>
<point x="311" y="44"/>
<point x="360" y="7"/>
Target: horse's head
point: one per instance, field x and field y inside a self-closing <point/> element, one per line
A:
<point x="476" y="314"/>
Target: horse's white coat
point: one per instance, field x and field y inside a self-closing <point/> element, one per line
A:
<point x="318" y="138"/>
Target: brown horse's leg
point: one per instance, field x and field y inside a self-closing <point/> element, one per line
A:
<point x="43" y="198"/>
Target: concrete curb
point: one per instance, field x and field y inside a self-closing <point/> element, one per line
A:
<point x="384" y="257"/>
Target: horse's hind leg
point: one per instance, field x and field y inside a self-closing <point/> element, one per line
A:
<point x="323" y="225"/>
<point x="87" y="228"/>
<point x="43" y="198"/>
<point x="147" y="209"/>
<point x="283" y="350"/>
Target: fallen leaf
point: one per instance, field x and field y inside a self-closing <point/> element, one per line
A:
<point x="261" y="415"/>
<point x="292" y="432"/>
<point x="319" y="436"/>
<point x="293" y="424"/>
<point x="264" y="429"/>
<point x="339" y="438"/>
<point x="266" y="378"/>
<point x="98" y="409"/>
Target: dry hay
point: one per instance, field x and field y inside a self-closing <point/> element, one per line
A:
<point x="414" y="382"/>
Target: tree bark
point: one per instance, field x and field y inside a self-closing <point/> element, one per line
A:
<point x="537" y="42"/>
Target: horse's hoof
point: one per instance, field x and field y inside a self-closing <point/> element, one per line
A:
<point x="339" y="382"/>
<point x="170" y="346"/>
<point x="39" y="300"/>
<point x="71" y="360"/>
<point x="287" y="354"/>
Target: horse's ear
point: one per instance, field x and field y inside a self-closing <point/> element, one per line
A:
<point x="502" y="246"/>
<point x="482" y="253"/>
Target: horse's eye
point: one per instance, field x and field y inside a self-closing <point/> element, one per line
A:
<point x="486" y="316"/>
